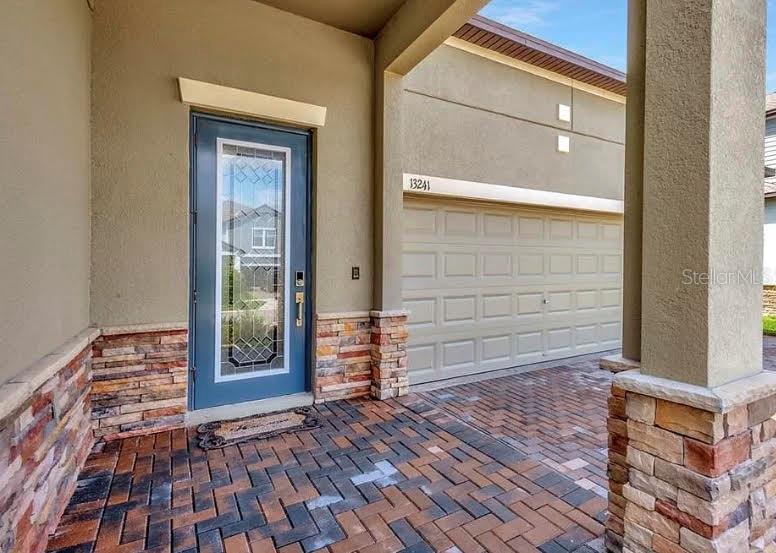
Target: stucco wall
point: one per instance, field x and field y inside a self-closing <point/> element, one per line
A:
<point x="467" y="117"/>
<point x="769" y="242"/>
<point x="141" y="136"/>
<point x="44" y="178"/>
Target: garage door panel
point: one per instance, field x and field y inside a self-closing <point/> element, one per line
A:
<point x="497" y="264"/>
<point x="496" y="306"/>
<point x="530" y="264"/>
<point x="420" y="221"/>
<point x="612" y="264"/>
<point x="587" y="299"/>
<point x="559" y="302"/>
<point x="611" y="297"/>
<point x="561" y="229"/>
<point x="561" y="264"/>
<point x="459" y="264"/>
<point x="457" y="354"/>
<point x="530" y="343"/>
<point x="530" y="227"/>
<point x="497" y="226"/>
<point x="424" y="364"/>
<point x="419" y="264"/>
<point x="530" y="303"/>
<point x="459" y="309"/>
<point x="587" y="230"/>
<point x="460" y="223"/>
<point x="423" y="312"/>
<point x="611" y="233"/>
<point x="587" y="264"/>
<point x="496" y="287"/>
<point x="497" y="348"/>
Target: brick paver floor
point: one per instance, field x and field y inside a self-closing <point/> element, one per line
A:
<point x="508" y="464"/>
<point x="556" y="416"/>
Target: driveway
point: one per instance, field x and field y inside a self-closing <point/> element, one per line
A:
<point x="515" y="463"/>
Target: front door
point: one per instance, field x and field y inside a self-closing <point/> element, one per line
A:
<point x="250" y="272"/>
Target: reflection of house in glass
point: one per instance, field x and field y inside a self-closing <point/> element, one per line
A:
<point x="251" y="295"/>
<point x="251" y="236"/>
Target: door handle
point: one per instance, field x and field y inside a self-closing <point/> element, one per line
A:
<point x="299" y="308"/>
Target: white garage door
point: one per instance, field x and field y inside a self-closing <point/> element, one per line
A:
<point x="490" y="287"/>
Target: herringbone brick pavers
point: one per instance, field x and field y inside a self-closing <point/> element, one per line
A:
<point x="391" y="476"/>
<point x="556" y="416"/>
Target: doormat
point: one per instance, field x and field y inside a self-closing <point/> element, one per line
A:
<point x="215" y="435"/>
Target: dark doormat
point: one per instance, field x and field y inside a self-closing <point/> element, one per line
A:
<point x="215" y="435"/>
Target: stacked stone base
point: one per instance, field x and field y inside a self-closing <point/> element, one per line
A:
<point x="343" y="359"/>
<point x="689" y="479"/>
<point x="360" y="354"/>
<point x="389" y="354"/>
<point x="43" y="445"/>
<point x="769" y="299"/>
<point x="140" y="382"/>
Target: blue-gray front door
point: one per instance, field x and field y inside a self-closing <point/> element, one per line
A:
<point x="250" y="273"/>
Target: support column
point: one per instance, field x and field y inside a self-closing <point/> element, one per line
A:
<point x="388" y="195"/>
<point x="634" y="187"/>
<point x="703" y="204"/>
<point x="692" y="437"/>
<point x="634" y="181"/>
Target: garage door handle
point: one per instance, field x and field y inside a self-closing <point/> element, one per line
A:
<point x="545" y="301"/>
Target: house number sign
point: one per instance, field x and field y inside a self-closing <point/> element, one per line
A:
<point x="419" y="184"/>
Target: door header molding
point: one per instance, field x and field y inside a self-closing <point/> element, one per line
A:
<point x="244" y="102"/>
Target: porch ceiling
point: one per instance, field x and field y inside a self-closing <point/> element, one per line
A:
<point x="362" y="17"/>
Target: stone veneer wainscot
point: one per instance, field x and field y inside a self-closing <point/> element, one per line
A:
<point x="359" y="354"/>
<point x="769" y="299"/>
<point x="45" y="437"/>
<point x="140" y="381"/>
<point x="690" y="469"/>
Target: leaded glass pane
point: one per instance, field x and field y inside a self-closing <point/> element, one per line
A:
<point x="252" y="285"/>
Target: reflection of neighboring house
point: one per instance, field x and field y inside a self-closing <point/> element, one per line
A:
<point x="251" y="234"/>
<point x="769" y="230"/>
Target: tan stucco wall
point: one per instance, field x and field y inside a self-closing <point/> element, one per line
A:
<point x="44" y="178"/>
<point x="471" y="118"/>
<point x="141" y="135"/>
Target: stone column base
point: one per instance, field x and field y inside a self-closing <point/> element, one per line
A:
<point x="618" y="363"/>
<point x="389" y="354"/>
<point x="691" y="469"/>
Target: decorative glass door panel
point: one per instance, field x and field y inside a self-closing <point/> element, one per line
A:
<point x="252" y="308"/>
<point x="249" y="317"/>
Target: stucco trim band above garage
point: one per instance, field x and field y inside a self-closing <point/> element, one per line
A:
<point x="425" y="185"/>
<point x="243" y="102"/>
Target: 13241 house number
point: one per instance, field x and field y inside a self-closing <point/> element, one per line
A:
<point x="420" y="184"/>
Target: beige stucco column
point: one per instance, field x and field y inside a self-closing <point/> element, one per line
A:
<point x="634" y="175"/>
<point x="388" y="191"/>
<point x="692" y="434"/>
<point x="703" y="206"/>
<point x="413" y="32"/>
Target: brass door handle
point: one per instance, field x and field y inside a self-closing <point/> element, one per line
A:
<point x="299" y="308"/>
